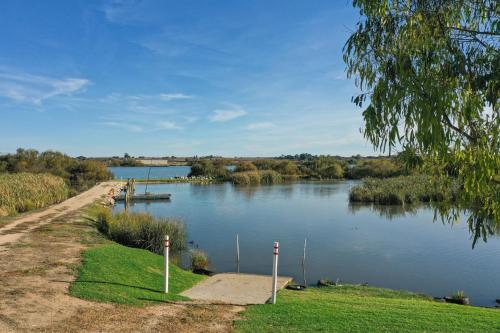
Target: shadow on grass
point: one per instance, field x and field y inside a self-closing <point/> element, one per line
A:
<point x="116" y="284"/>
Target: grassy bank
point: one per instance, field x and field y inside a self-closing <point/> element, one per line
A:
<point x="403" y="190"/>
<point x="21" y="192"/>
<point x="119" y="274"/>
<point x="364" y="309"/>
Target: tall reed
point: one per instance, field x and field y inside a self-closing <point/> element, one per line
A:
<point x="21" y="192"/>
<point x="141" y="230"/>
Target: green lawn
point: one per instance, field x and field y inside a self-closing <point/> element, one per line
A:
<point x="364" y="309"/>
<point x="119" y="274"/>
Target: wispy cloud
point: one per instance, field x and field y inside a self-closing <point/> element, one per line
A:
<point x="125" y="126"/>
<point x="113" y="97"/>
<point x="232" y="112"/>
<point x="260" y="126"/>
<point x="174" y="96"/>
<point x="24" y="87"/>
<point x="168" y="125"/>
<point x="134" y="127"/>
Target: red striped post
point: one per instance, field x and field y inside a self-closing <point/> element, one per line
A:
<point x="166" y="248"/>
<point x="275" y="270"/>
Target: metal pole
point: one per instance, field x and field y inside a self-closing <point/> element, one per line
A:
<point x="166" y="248"/>
<point x="237" y="253"/>
<point x="275" y="271"/>
<point x="304" y="262"/>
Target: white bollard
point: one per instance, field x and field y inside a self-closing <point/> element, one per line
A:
<point x="237" y="253"/>
<point x="166" y="247"/>
<point x="275" y="271"/>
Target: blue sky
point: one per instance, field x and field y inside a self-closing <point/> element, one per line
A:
<point x="160" y="78"/>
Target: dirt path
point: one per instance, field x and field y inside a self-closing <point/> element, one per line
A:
<point x="37" y="268"/>
<point x="13" y="231"/>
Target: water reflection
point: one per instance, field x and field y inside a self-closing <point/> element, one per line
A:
<point x="386" y="246"/>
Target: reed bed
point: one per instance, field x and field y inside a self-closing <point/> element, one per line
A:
<point x="21" y="192"/>
<point x="141" y="230"/>
<point x="261" y="177"/>
<point x="404" y="190"/>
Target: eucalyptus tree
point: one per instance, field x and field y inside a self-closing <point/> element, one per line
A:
<point x="429" y="78"/>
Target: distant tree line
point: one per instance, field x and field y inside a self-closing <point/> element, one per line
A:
<point x="78" y="173"/>
<point x="305" y="166"/>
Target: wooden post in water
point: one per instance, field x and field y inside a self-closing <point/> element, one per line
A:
<point x="275" y="271"/>
<point x="237" y="253"/>
<point x="304" y="262"/>
<point x="166" y="247"/>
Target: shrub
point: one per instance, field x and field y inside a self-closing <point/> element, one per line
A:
<point x="142" y="230"/>
<point x="245" y="166"/>
<point x="378" y="168"/>
<point x="265" y="177"/>
<point x="199" y="260"/>
<point x="79" y="174"/>
<point x="216" y="169"/>
<point x="403" y="190"/>
<point x="22" y="192"/>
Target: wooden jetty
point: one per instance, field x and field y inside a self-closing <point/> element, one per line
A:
<point x="128" y="193"/>
<point x="143" y="196"/>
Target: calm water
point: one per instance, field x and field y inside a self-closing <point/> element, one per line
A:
<point x="359" y="244"/>
<point x="156" y="172"/>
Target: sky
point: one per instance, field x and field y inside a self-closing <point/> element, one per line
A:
<point x="183" y="78"/>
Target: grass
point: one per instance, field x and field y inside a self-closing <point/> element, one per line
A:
<point x="364" y="309"/>
<point x="403" y="190"/>
<point x="22" y="192"/>
<point x="141" y="230"/>
<point x="119" y="274"/>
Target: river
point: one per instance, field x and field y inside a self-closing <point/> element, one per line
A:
<point x="382" y="246"/>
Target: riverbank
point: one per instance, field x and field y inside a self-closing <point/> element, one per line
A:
<point x="36" y="271"/>
<point x="352" y="308"/>
<point x="192" y="180"/>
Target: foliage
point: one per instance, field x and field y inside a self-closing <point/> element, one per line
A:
<point x="199" y="260"/>
<point x="245" y="166"/>
<point x="403" y="190"/>
<point x="428" y="74"/>
<point x="261" y="177"/>
<point x="22" y="192"/>
<point x="118" y="274"/>
<point x="125" y="161"/>
<point x="378" y="168"/>
<point x="364" y="309"/>
<point x="322" y="167"/>
<point x="79" y="174"/>
<point x="216" y="169"/>
<point x="141" y="230"/>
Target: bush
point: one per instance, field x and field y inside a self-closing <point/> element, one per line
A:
<point x="79" y="174"/>
<point x="264" y="177"/>
<point x="208" y="168"/>
<point x="22" y="192"/>
<point x="378" y="168"/>
<point x="245" y="166"/>
<point x="199" y="260"/>
<point x="141" y="230"/>
<point x="404" y="190"/>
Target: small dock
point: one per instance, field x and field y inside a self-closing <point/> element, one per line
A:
<point x="144" y="196"/>
<point x="236" y="288"/>
<point x="127" y="193"/>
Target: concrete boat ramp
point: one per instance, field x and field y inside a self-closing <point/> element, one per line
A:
<point x="235" y="288"/>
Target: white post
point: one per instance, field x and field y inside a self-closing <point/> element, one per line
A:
<point x="304" y="262"/>
<point x="166" y="247"/>
<point x="275" y="271"/>
<point x="238" y="252"/>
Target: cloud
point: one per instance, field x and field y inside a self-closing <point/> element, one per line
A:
<point x="125" y="126"/>
<point x="171" y="97"/>
<point x="259" y="126"/>
<point x="34" y="89"/>
<point x="233" y="112"/>
<point x="168" y="125"/>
